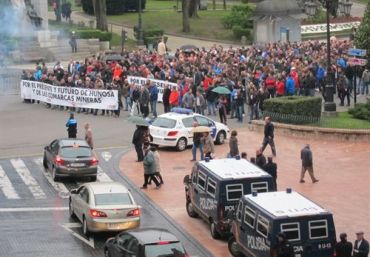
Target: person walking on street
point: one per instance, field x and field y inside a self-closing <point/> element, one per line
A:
<point x="343" y="248"/>
<point x="72" y="126"/>
<point x="89" y="135"/>
<point x="260" y="159"/>
<point x="73" y="42"/>
<point x="269" y="136"/>
<point x="283" y="247"/>
<point x="137" y="141"/>
<point x="208" y="145"/>
<point x="197" y="144"/>
<point x="149" y="169"/>
<point x="307" y="164"/>
<point x="158" y="172"/>
<point x="271" y="168"/>
<point x="361" y="246"/>
<point x="233" y="145"/>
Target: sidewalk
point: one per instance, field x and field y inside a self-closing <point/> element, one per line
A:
<point x="343" y="188"/>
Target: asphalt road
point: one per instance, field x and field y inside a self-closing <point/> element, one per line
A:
<point x="34" y="219"/>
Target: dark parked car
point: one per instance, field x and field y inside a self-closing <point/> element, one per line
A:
<point x="149" y="242"/>
<point x="70" y="158"/>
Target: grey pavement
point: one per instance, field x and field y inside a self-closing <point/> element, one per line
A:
<point x="43" y="228"/>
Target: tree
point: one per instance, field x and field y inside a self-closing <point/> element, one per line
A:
<point x="100" y="9"/>
<point x="362" y="36"/>
<point x="185" y="16"/>
<point x="193" y="8"/>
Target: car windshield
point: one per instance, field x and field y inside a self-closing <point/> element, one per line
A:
<point x="164" y="123"/>
<point x="165" y="250"/>
<point x="75" y="152"/>
<point x="113" y="199"/>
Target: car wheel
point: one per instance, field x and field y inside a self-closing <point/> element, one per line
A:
<point x="190" y="210"/>
<point x="234" y="248"/>
<point x="71" y="212"/>
<point x="106" y="253"/>
<point x="220" y="139"/>
<point x="54" y="174"/>
<point x="181" y="144"/>
<point x="44" y="163"/>
<point x="85" y="229"/>
<point x="214" y="233"/>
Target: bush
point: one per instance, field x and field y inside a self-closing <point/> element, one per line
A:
<point x="151" y="34"/>
<point x="239" y="16"/>
<point x="293" y="109"/>
<point x="361" y="111"/>
<point x="114" y="7"/>
<point x="238" y="32"/>
<point x="88" y="34"/>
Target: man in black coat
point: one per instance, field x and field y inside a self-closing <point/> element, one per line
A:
<point x="361" y="247"/>
<point x="137" y="141"/>
<point x="269" y="136"/>
<point x="343" y="248"/>
<point x="271" y="168"/>
<point x="166" y="98"/>
<point x="307" y="164"/>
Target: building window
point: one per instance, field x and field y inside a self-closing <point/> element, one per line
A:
<point x="262" y="226"/>
<point x="202" y="180"/>
<point x="249" y="216"/>
<point x="259" y="187"/>
<point x="211" y="187"/>
<point x="291" y="230"/>
<point x="234" y="192"/>
<point x="318" y="229"/>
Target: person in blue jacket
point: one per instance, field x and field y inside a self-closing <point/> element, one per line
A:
<point x="71" y="126"/>
<point x="289" y="85"/>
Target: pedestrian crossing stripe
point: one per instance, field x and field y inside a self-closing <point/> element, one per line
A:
<point x="27" y="178"/>
<point x="8" y="189"/>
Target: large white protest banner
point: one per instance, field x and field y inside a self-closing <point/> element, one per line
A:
<point x="70" y="96"/>
<point x="159" y="83"/>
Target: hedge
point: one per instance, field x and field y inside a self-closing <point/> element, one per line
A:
<point x="151" y="34"/>
<point x="114" y="7"/>
<point x="361" y="111"/>
<point x="293" y="109"/>
<point x="238" y="32"/>
<point x="88" y="34"/>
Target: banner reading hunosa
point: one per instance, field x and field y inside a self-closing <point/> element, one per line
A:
<point x="70" y="96"/>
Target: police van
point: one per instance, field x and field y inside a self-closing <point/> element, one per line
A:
<point x="260" y="217"/>
<point x="215" y="187"/>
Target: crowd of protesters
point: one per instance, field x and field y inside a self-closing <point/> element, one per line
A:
<point x="252" y="74"/>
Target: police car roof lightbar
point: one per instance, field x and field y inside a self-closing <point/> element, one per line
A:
<point x="181" y="110"/>
<point x="288" y="190"/>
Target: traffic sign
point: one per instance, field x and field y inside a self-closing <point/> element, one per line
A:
<point x="356" y="52"/>
<point x="357" y="61"/>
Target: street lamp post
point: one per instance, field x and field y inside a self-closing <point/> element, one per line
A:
<point x="140" y="40"/>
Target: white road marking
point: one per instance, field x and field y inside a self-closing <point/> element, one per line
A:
<point x="62" y="190"/>
<point x="27" y="178"/>
<point x="106" y="156"/>
<point x="33" y="209"/>
<point x="6" y="186"/>
<point x="69" y="226"/>
<point x="102" y="176"/>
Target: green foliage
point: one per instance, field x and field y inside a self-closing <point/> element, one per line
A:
<point x="319" y="17"/>
<point x="151" y="34"/>
<point x="239" y="15"/>
<point x="114" y="7"/>
<point x="238" y="32"/>
<point x="361" y="111"/>
<point x="293" y="109"/>
<point x="363" y="32"/>
<point x="88" y="34"/>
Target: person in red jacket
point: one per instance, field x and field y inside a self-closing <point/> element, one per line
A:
<point x="271" y="85"/>
<point x="280" y="87"/>
<point x="174" y="97"/>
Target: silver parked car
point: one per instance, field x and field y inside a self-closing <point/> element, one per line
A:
<point x="104" y="206"/>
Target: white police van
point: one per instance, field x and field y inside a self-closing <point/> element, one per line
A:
<point x="260" y="217"/>
<point x="215" y="187"/>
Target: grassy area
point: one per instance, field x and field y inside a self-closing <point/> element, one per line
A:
<point x="363" y="1"/>
<point x="344" y="121"/>
<point x="116" y="42"/>
<point x="207" y="26"/>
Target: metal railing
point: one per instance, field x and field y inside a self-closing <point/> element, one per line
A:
<point x="10" y="81"/>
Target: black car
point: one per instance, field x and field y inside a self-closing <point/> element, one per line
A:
<point x="149" y="242"/>
<point x="70" y="158"/>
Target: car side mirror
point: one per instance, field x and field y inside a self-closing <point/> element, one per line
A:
<point x="74" y="191"/>
<point x="187" y="180"/>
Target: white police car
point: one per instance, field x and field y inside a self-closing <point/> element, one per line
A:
<point x="175" y="128"/>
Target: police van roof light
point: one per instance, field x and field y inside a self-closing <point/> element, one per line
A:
<point x="237" y="157"/>
<point x="207" y="159"/>
<point x="254" y="193"/>
<point x="288" y="190"/>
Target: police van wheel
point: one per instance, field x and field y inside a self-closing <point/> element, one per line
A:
<point x="214" y="233"/>
<point x="190" y="210"/>
<point x="181" y="144"/>
<point x="220" y="139"/>
<point x="234" y="248"/>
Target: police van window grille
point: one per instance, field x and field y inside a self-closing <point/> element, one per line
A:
<point x="202" y="180"/>
<point x="234" y="192"/>
<point x="318" y="229"/>
<point x="239" y="212"/>
<point x="291" y="230"/>
<point x="249" y="217"/>
<point x="259" y="187"/>
<point x="211" y="187"/>
<point x="262" y="226"/>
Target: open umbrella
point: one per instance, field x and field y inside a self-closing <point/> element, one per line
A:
<point x="221" y="90"/>
<point x="139" y="121"/>
<point x="201" y="129"/>
<point x="188" y="48"/>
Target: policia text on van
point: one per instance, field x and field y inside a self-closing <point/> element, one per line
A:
<point x="216" y="186"/>
<point x="260" y="217"/>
